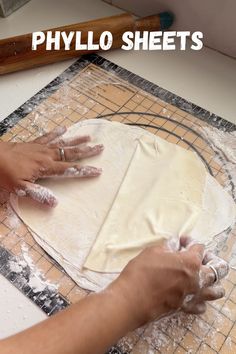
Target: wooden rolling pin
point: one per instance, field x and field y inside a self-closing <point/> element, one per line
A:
<point x="16" y="52"/>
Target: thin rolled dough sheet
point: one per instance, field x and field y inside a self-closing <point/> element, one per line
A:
<point x="166" y="193"/>
<point x="68" y="231"/>
<point x="149" y="189"/>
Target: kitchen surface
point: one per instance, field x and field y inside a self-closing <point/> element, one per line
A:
<point x="206" y="78"/>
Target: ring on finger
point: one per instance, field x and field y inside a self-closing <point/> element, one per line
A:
<point x="216" y="280"/>
<point x="62" y="154"/>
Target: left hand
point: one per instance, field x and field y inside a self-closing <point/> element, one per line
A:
<point x="22" y="164"/>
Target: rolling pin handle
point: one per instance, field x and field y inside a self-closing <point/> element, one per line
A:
<point x="160" y="22"/>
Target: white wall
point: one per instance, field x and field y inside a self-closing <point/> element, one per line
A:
<point x="215" y="18"/>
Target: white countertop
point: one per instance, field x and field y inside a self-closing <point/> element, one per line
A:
<point x="206" y="78"/>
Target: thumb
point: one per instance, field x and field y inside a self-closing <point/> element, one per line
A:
<point x="38" y="193"/>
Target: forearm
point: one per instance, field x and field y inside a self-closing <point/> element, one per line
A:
<point x="151" y="285"/>
<point x="91" y="326"/>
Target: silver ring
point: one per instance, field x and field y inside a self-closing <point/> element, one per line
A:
<point x="62" y="154"/>
<point x="215" y="272"/>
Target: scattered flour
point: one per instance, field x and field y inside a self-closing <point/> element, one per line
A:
<point x="160" y="334"/>
<point x="13" y="220"/>
<point x="17" y="266"/>
<point x="36" y="281"/>
<point x="224" y="144"/>
<point x="223" y="141"/>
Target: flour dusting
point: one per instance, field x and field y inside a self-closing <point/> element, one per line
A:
<point x="166" y="333"/>
<point x="224" y="145"/>
<point x="36" y="280"/>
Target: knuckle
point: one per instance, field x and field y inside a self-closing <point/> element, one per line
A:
<point x="60" y="142"/>
<point x="45" y="161"/>
<point x="196" y="262"/>
<point x="55" y="154"/>
<point x="187" y="274"/>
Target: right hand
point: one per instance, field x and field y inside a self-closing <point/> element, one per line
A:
<point x="159" y="280"/>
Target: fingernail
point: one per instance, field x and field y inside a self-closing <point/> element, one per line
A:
<point x="222" y="293"/>
<point x="88" y="171"/>
<point x="219" y="291"/>
<point x="93" y="170"/>
<point x="53" y="202"/>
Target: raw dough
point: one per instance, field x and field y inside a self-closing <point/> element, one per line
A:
<point x="134" y="160"/>
<point x="68" y="231"/>
<point x="166" y="193"/>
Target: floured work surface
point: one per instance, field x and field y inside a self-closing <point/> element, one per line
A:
<point x="85" y="91"/>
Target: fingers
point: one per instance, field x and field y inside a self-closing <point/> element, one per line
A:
<point x="194" y="250"/>
<point x="211" y="293"/>
<point x="48" y="137"/>
<point x="72" y="150"/>
<point x="38" y="193"/>
<point x="221" y="266"/>
<point x="196" y="304"/>
<point x="208" y="257"/>
<point x="63" y="169"/>
<point x="53" y="139"/>
<point x="69" y="142"/>
<point x="195" y="309"/>
<point x="77" y="153"/>
<point x="187" y="242"/>
<point x="43" y="195"/>
<point x="207" y="277"/>
<point x="213" y="270"/>
<point x="195" y="254"/>
<point x="197" y="250"/>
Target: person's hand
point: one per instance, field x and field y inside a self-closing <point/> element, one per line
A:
<point x="21" y="164"/>
<point x="196" y="304"/>
<point x="161" y="280"/>
<point x="155" y="283"/>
